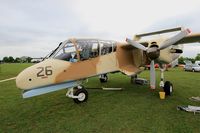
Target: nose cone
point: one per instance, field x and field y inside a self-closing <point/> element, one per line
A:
<point x="20" y="80"/>
<point x="25" y="79"/>
<point x="41" y="74"/>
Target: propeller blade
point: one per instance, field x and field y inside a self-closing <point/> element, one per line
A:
<point x="7" y="79"/>
<point x="152" y="75"/>
<point x="136" y="44"/>
<point x="174" y="39"/>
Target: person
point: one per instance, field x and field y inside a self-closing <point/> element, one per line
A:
<point x="73" y="57"/>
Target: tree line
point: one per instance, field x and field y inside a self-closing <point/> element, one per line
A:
<point x="182" y="59"/>
<point x="10" y="59"/>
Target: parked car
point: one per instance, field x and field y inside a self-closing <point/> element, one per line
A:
<point x="192" y="67"/>
<point x="197" y="62"/>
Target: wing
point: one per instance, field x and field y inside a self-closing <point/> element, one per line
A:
<point x="192" y="38"/>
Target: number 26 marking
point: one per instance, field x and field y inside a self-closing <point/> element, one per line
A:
<point x="44" y="71"/>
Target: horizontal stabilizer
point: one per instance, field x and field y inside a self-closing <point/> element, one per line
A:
<point x="47" y="89"/>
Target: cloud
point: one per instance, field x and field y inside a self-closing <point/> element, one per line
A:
<point x="28" y="26"/>
<point x="34" y="28"/>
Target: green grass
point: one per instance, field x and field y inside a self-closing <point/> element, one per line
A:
<point x="135" y="109"/>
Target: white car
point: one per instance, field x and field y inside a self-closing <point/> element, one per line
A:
<point x="197" y="62"/>
<point x="192" y="67"/>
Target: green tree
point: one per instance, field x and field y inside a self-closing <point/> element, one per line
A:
<point x="5" y="59"/>
<point x="17" y="60"/>
<point x="197" y="57"/>
<point x="181" y="60"/>
<point x="29" y="59"/>
<point x="11" y="59"/>
<point x="190" y="59"/>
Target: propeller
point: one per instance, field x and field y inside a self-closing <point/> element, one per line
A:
<point x="174" y="39"/>
<point x="152" y="75"/>
<point x="153" y="52"/>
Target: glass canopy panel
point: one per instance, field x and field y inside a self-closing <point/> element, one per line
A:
<point x="66" y="51"/>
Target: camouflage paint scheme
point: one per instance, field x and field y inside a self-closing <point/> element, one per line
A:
<point x="125" y="59"/>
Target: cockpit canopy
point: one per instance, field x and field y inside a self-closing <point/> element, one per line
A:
<point x="83" y="49"/>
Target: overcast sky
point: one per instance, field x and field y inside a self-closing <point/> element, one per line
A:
<point x="35" y="27"/>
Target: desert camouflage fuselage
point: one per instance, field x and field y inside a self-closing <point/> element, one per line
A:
<point x="79" y="64"/>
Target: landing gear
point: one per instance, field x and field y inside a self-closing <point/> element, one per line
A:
<point x="79" y="94"/>
<point x="103" y="78"/>
<point x="82" y="95"/>
<point x="167" y="86"/>
<point x="133" y="78"/>
<point x="162" y="77"/>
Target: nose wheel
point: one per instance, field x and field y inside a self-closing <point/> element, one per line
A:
<point x="167" y="86"/>
<point x="79" y="94"/>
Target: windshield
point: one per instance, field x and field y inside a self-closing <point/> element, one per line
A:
<point x="66" y="51"/>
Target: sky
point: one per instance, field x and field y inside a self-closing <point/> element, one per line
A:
<point x="35" y="27"/>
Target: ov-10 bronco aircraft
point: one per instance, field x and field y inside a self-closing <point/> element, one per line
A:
<point x="75" y="60"/>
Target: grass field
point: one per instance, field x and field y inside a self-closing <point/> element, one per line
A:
<point x="135" y="109"/>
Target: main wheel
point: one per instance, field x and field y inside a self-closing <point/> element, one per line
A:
<point x="133" y="78"/>
<point x="193" y="70"/>
<point x="168" y="88"/>
<point x="83" y="95"/>
<point x="103" y="78"/>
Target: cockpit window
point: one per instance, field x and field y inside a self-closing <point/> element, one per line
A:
<point x="105" y="47"/>
<point x="85" y="48"/>
<point x="66" y="52"/>
<point x="88" y="49"/>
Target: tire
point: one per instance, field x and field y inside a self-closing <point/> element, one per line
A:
<point x="133" y="79"/>
<point x="79" y="87"/>
<point x="103" y="78"/>
<point x="193" y="70"/>
<point x="168" y="88"/>
<point x="84" y="96"/>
